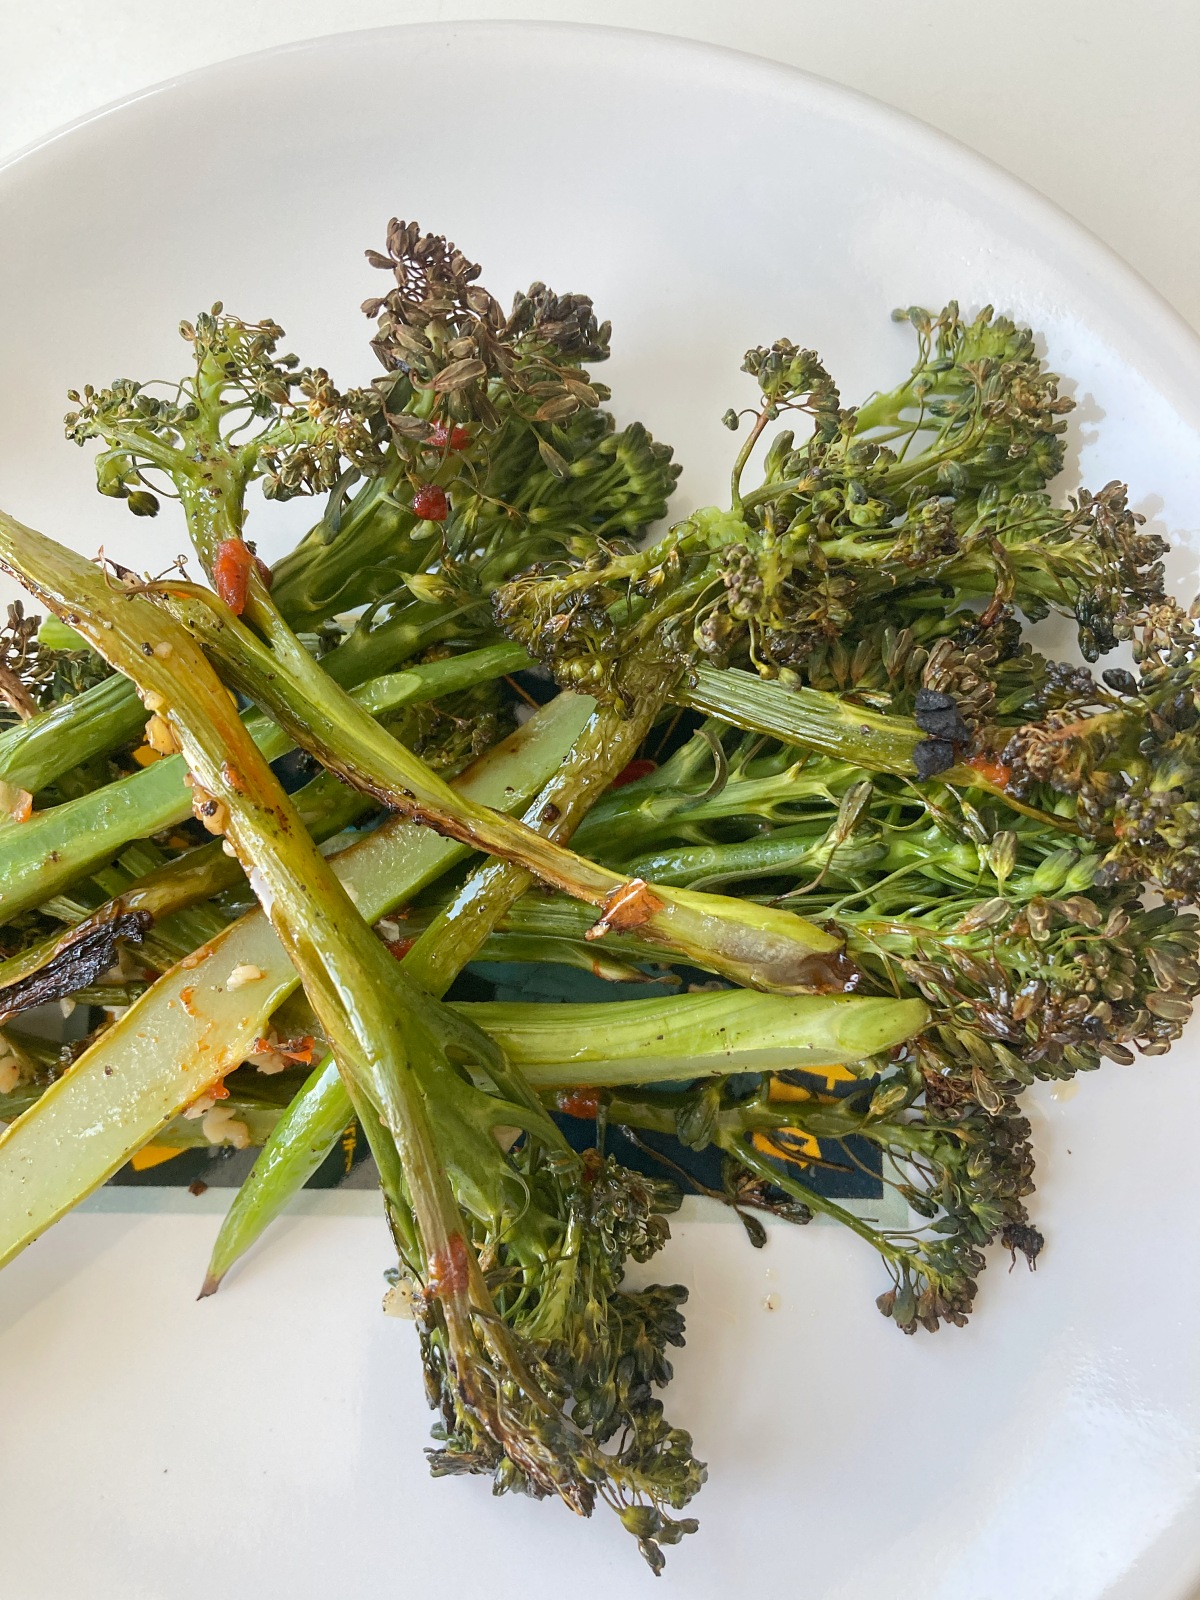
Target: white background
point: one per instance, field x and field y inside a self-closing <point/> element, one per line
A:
<point x="1094" y="102"/>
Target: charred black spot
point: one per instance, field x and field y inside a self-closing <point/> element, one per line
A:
<point x="80" y="960"/>
<point x="938" y="715"/>
<point x="932" y="756"/>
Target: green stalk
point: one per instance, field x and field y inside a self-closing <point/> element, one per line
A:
<point x="645" y="1042"/>
<point x="884" y="849"/>
<point x="52" y="849"/>
<point x="257" y="1104"/>
<point x="811" y="718"/>
<point x="744" y="1152"/>
<point x="694" y="1035"/>
<point x="433" y="679"/>
<point x="548" y="923"/>
<point x="757" y="946"/>
<point x="823" y="722"/>
<point x="658" y="1110"/>
<point x="707" y="1035"/>
<point x="788" y="852"/>
<point x="190" y="1029"/>
<point x="101" y="719"/>
<point x="324" y="575"/>
<point x="316" y="1118"/>
<point x="297" y="1144"/>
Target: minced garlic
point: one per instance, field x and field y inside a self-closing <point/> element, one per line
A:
<point x="200" y="1106"/>
<point x="160" y="736"/>
<point x="220" y="1126"/>
<point x="399" y="1300"/>
<point x="210" y="812"/>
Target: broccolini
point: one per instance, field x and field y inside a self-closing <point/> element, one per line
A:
<point x="796" y="743"/>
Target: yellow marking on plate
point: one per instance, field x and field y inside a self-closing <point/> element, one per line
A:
<point x="153" y="1155"/>
<point x="799" y="1150"/>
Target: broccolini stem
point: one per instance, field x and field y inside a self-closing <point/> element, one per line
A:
<point x="733" y="1132"/>
<point x="743" y="456"/>
<point x="819" y="721"/>
<point x="35" y="753"/>
<point x="808" y="717"/>
<point x="695" y="1035"/>
<point x="294" y="1147"/>
<point x="323" y="574"/>
<point x="650" y="1042"/>
<point x="55" y="847"/>
<point x="758" y="946"/>
<point x="319" y="1113"/>
<point x="743" y="1152"/>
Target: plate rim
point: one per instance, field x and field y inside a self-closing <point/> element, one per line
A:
<point x="1177" y="341"/>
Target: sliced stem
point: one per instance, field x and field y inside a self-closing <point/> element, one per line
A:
<point x="190" y="1029"/>
<point x="695" y="1035"/>
<point x="808" y="717"/>
<point x="317" y="1116"/>
<point x="296" y="1145"/>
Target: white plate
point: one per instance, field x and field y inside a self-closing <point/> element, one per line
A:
<point x="267" y="1442"/>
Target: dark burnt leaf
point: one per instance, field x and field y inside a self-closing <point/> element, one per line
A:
<point x="83" y="957"/>
<point x="1019" y="1236"/>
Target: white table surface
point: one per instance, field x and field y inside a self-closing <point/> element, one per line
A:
<point x="1094" y="102"/>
